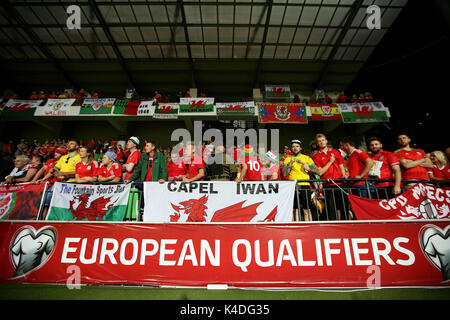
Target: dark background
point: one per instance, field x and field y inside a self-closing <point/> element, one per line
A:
<point x="409" y="72"/>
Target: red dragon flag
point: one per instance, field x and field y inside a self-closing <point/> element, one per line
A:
<point x="219" y="201"/>
<point x="197" y="106"/>
<point x="88" y="202"/>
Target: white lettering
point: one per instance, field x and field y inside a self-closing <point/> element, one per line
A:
<point x="329" y="251"/>
<point x="248" y="254"/>
<point x="163" y="252"/>
<point x="411" y="257"/>
<point x="67" y="249"/>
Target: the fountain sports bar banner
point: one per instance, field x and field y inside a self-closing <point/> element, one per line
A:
<point x="378" y="254"/>
<point x="97" y="106"/>
<point x="363" y="112"/>
<point x="20" y="108"/>
<point x="58" y="107"/>
<point x="219" y="201"/>
<point x="236" y="108"/>
<point x="21" y="201"/>
<point x="282" y="113"/>
<point x="73" y="202"/>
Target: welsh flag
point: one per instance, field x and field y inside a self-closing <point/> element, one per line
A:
<point x="21" y="201"/>
<point x="196" y="105"/>
<point x="89" y="202"/>
<point x="20" y="108"/>
<point x="97" y="106"/>
<point x="325" y="112"/>
<point x="278" y="91"/>
<point x="236" y="108"/>
<point x="166" y="111"/>
<point x="282" y="112"/>
<point x="363" y="112"/>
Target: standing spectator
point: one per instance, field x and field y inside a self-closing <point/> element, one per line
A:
<point x="194" y="163"/>
<point x="298" y="167"/>
<point x="133" y="158"/>
<point x="271" y="169"/>
<point x="87" y="169"/>
<point x="386" y="166"/>
<point x="359" y="165"/>
<point x="368" y="97"/>
<point x="341" y="98"/>
<point x="110" y="170"/>
<point x="222" y="170"/>
<point x="157" y="98"/>
<point x="354" y="99"/>
<point x="176" y="169"/>
<point x="151" y="167"/>
<point x="65" y="167"/>
<point x="250" y="166"/>
<point x="441" y="169"/>
<point x="331" y="166"/>
<point x="48" y="166"/>
<point x="24" y="171"/>
<point x="413" y="162"/>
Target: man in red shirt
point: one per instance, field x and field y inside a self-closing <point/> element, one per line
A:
<point x="413" y="162"/>
<point x="176" y="169"/>
<point x="386" y="167"/>
<point x="133" y="158"/>
<point x="48" y="166"/>
<point x="194" y="163"/>
<point x="250" y="166"/>
<point x="110" y="170"/>
<point x="359" y="165"/>
<point x="331" y="166"/>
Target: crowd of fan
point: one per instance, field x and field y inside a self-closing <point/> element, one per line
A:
<point x="133" y="161"/>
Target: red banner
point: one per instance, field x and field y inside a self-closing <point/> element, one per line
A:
<point x="419" y="202"/>
<point x="282" y="112"/>
<point x="21" y="201"/>
<point x="352" y="254"/>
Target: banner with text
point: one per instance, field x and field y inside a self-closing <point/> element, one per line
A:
<point x="97" y="106"/>
<point x="236" y="108"/>
<point x="20" y="201"/>
<point x="219" y="201"/>
<point x="339" y="255"/>
<point x="88" y="202"/>
<point x="20" y="108"/>
<point x="419" y="202"/>
<point x="58" y="107"/>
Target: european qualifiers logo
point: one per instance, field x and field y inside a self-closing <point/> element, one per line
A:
<point x="29" y="249"/>
<point x="435" y="244"/>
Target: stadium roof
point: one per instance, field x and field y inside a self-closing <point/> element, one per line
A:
<point x="221" y="47"/>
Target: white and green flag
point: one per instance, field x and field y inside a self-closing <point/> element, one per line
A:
<point x="89" y="202"/>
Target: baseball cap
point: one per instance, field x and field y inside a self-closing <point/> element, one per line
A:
<point x="134" y="139"/>
<point x="296" y="141"/>
<point x="111" y="155"/>
<point x="248" y="149"/>
<point x="61" y="150"/>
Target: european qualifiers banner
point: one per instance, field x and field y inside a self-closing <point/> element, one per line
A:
<point x="97" y="106"/>
<point x="326" y="255"/>
<point x="219" y="201"/>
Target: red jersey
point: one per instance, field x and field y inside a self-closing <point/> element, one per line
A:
<point x="105" y="172"/>
<point x="194" y="167"/>
<point x="87" y="170"/>
<point x="176" y="169"/>
<point x="321" y="159"/>
<point x="254" y="172"/>
<point x="133" y="158"/>
<point x="50" y="164"/>
<point x="356" y="164"/>
<point x="418" y="172"/>
<point x="443" y="172"/>
<point x="389" y="160"/>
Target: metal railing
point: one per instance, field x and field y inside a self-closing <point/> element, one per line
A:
<point x="332" y="193"/>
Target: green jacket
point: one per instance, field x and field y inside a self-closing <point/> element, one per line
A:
<point x="159" y="170"/>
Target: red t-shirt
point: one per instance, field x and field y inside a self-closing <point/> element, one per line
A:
<point x="105" y="172"/>
<point x="389" y="160"/>
<point x="148" y="177"/>
<point x="418" y="172"/>
<point x="87" y="170"/>
<point x="194" y="167"/>
<point x="176" y="169"/>
<point x="356" y="164"/>
<point x="133" y="158"/>
<point x="443" y="172"/>
<point x="253" y="169"/>
<point x="321" y="159"/>
<point x="50" y="164"/>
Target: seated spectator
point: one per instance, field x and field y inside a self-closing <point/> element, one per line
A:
<point x="87" y="169"/>
<point x="48" y="166"/>
<point x="362" y="98"/>
<point x="24" y="171"/>
<point x="65" y="168"/>
<point x="52" y="95"/>
<point x="151" y="167"/>
<point x="341" y="98"/>
<point x="368" y="97"/>
<point x="110" y="170"/>
<point x="220" y="165"/>
<point x="328" y="99"/>
<point x="176" y="169"/>
<point x="441" y="169"/>
<point x="354" y="99"/>
<point x="270" y="169"/>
